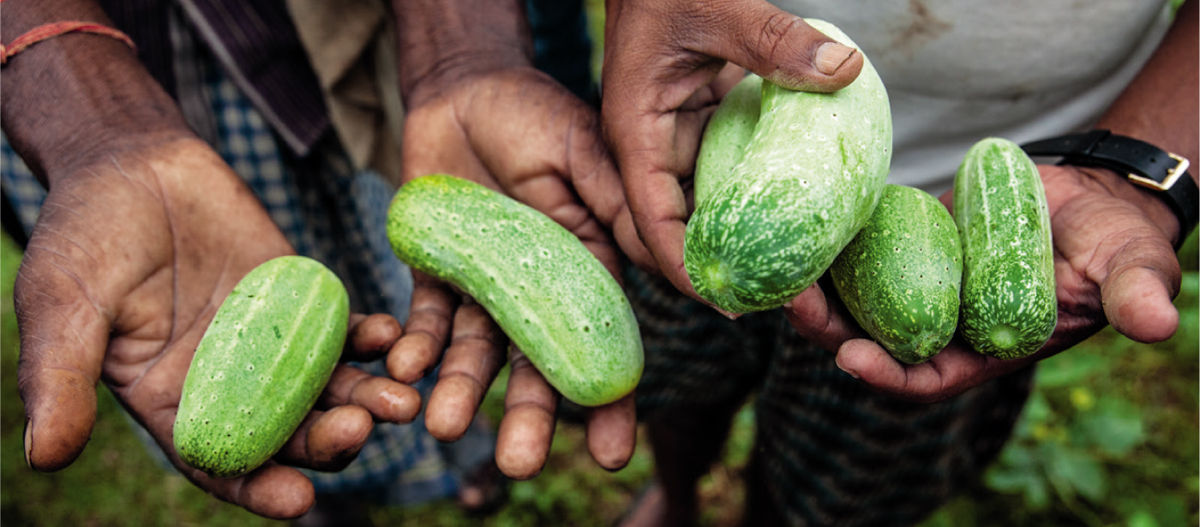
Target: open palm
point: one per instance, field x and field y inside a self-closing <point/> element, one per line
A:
<point x="1113" y="265"/>
<point x="128" y="262"/>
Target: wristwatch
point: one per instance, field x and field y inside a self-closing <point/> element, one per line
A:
<point x="1161" y="172"/>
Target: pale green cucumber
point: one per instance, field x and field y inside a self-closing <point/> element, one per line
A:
<point x="552" y="297"/>
<point x="725" y="137"/>
<point x="1009" y="308"/>
<point x="265" y="357"/>
<point x="807" y="181"/>
<point x="900" y="276"/>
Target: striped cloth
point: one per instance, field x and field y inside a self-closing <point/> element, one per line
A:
<point x="330" y="212"/>
<point x="828" y="450"/>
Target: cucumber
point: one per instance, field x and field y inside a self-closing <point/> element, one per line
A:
<point x="900" y="276"/>
<point x="552" y="297"/>
<point x="726" y="135"/>
<point x="1009" y="308"/>
<point x="806" y="182"/>
<point x="265" y="357"/>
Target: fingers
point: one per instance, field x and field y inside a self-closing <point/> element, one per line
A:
<point x="527" y="429"/>
<point x="777" y="46"/>
<point x="475" y="355"/>
<point x="63" y="339"/>
<point x="429" y="319"/>
<point x="949" y="373"/>
<point x="328" y="440"/>
<point x="370" y="336"/>
<point x="814" y="318"/>
<point x="384" y="399"/>
<point x="1143" y="278"/>
<point x="273" y="490"/>
<point x="612" y="433"/>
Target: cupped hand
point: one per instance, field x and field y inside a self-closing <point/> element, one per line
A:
<point x="128" y="262"/>
<point x="1113" y="262"/>
<point x="666" y="66"/>
<point x="515" y="130"/>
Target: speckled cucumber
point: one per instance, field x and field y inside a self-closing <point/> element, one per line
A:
<point x="725" y="137"/>
<point x="552" y="297"/>
<point x="900" y="276"/>
<point x="1009" y="308"/>
<point x="806" y="182"/>
<point x="265" y="357"/>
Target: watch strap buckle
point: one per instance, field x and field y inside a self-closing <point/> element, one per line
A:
<point x="1173" y="175"/>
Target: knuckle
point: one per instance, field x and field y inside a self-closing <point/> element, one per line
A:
<point x="773" y="34"/>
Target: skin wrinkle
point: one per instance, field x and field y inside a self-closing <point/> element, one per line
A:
<point x="79" y="339"/>
<point x="771" y="33"/>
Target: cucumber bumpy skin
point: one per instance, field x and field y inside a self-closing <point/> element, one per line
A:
<point x="545" y="290"/>
<point x="900" y="276"/>
<point x="805" y="183"/>
<point x="263" y="361"/>
<point x="1009" y="308"/>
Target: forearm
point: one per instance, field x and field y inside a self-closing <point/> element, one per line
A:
<point x="1160" y="106"/>
<point x="76" y="96"/>
<point x="439" y="40"/>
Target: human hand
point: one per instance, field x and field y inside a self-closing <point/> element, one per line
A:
<point x="1114" y="264"/>
<point x="666" y="66"/>
<point x="130" y="258"/>
<point x="513" y="129"/>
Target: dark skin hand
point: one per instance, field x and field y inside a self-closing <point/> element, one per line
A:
<point x="478" y="110"/>
<point x="128" y="262"/>
<point x="667" y="65"/>
<point x="143" y="233"/>
<point x="1114" y="260"/>
<point x="1113" y="265"/>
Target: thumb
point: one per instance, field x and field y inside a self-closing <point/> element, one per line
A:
<point x="1143" y="277"/>
<point x="781" y="48"/>
<point x="63" y="338"/>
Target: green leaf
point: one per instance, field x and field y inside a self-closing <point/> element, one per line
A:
<point x="1072" y="471"/>
<point x="1067" y="369"/>
<point x="1114" y="425"/>
<point x="1141" y="519"/>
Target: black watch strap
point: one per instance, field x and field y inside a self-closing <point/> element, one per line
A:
<point x="1161" y="172"/>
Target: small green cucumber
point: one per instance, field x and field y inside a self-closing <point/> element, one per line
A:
<point x="263" y="361"/>
<point x="900" y="276"/>
<point x="1009" y="308"/>
<point x="806" y="182"/>
<point x="555" y="301"/>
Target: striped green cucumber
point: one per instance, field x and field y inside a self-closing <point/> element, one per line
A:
<point x="807" y="180"/>
<point x="552" y="297"/>
<point x="265" y="357"/>
<point x="1009" y="308"/>
<point x="900" y="276"/>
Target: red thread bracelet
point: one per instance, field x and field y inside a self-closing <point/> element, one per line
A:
<point x="46" y="31"/>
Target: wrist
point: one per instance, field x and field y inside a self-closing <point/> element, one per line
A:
<point x="1138" y="171"/>
<point x="76" y="96"/>
<point x="440" y="43"/>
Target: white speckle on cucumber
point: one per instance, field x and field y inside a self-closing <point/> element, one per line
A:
<point x="536" y="279"/>
<point x="230" y="382"/>
<point x="784" y="167"/>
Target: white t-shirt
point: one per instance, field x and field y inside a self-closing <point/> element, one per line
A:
<point x="961" y="70"/>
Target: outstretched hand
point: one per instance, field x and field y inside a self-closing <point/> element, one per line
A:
<point x="1114" y="264"/>
<point x="129" y="260"/>
<point x="515" y="130"/>
<point x="666" y="66"/>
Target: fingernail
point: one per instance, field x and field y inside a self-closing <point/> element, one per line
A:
<point x="831" y="56"/>
<point x="28" y="442"/>
<point x="848" y="371"/>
